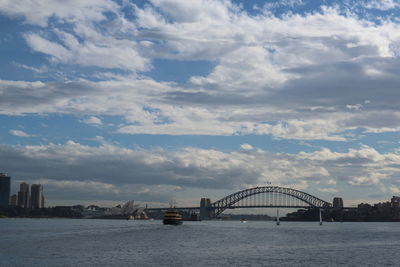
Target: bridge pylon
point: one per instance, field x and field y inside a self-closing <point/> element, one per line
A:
<point x="206" y="210"/>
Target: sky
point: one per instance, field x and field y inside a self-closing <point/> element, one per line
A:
<point x="106" y="101"/>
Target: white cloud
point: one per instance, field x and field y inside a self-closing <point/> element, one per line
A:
<point x="358" y="167"/>
<point x="328" y="190"/>
<point x="93" y="120"/>
<point x="196" y="11"/>
<point x="283" y="3"/>
<point x="149" y="108"/>
<point x="291" y="76"/>
<point x="372" y="179"/>
<point x="383" y="4"/>
<point x="395" y="189"/>
<point x="39" y="44"/>
<point x="100" y="51"/>
<point x="87" y="45"/>
<point x="19" y="133"/>
<point x="39" y="12"/>
<point x="246" y="146"/>
<point x="332" y="182"/>
<point x="354" y="107"/>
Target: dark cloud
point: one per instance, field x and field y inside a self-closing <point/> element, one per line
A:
<point x="118" y="167"/>
<point x="38" y="96"/>
<point x="343" y="83"/>
<point x="113" y="173"/>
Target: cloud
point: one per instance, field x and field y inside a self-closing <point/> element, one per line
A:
<point x="93" y="120"/>
<point x="284" y="3"/>
<point x="97" y="50"/>
<point x="86" y="44"/>
<point x="246" y="147"/>
<point x="294" y="76"/>
<point x="19" y="133"/>
<point x="39" y="44"/>
<point x="395" y="189"/>
<point x="382" y="4"/>
<point x="354" y="107"/>
<point x="203" y="10"/>
<point x="131" y="99"/>
<point x="111" y="172"/>
<point x="358" y="167"/>
<point x="84" y="187"/>
<point x="328" y="190"/>
<point x="90" y="192"/>
<point x="38" y="12"/>
<point x="371" y="179"/>
<point x="318" y="75"/>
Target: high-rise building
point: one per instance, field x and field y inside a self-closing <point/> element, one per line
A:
<point x="23" y="195"/>
<point x="5" y="181"/>
<point x="36" y="196"/>
<point x="42" y="200"/>
<point x="13" y="200"/>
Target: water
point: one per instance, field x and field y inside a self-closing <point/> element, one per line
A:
<point x="69" y="242"/>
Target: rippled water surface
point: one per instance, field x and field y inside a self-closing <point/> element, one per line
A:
<point x="69" y="242"/>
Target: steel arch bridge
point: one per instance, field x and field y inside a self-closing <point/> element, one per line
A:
<point x="268" y="197"/>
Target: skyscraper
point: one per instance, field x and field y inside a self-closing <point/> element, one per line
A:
<point x="36" y="196"/>
<point x="43" y="201"/>
<point x="4" y="189"/>
<point x="13" y="200"/>
<point x="23" y="195"/>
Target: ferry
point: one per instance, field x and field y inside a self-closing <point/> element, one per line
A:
<point x="173" y="217"/>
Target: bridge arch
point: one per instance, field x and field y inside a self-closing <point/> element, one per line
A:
<point x="229" y="201"/>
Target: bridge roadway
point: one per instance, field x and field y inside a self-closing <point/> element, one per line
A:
<point x="246" y="207"/>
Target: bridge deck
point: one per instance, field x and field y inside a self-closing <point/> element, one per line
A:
<point x="248" y="207"/>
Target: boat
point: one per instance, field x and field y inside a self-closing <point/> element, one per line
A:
<point x="243" y="220"/>
<point x="172" y="217"/>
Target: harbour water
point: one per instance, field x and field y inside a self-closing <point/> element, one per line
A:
<point x="80" y="242"/>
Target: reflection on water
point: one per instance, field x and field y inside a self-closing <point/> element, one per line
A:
<point x="67" y="242"/>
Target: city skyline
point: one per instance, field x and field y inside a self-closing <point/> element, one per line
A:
<point x="24" y="198"/>
<point x="107" y="101"/>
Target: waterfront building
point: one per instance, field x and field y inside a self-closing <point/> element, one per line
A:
<point x="23" y="195"/>
<point x="364" y="207"/>
<point x="36" y="196"/>
<point x="13" y="200"/>
<point x="5" y="182"/>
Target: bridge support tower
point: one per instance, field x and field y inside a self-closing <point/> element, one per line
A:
<point x="206" y="211"/>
